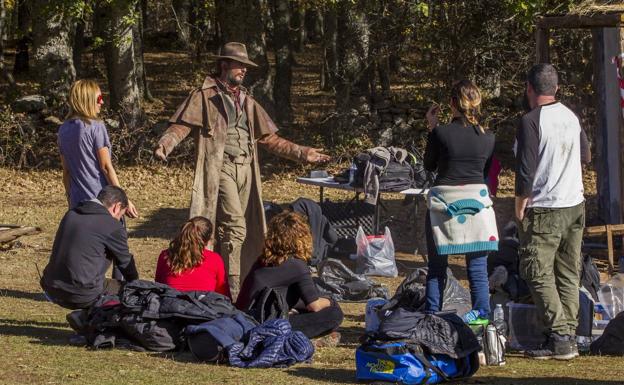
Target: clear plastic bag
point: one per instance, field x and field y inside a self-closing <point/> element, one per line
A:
<point x="375" y="254"/>
<point x="611" y="295"/>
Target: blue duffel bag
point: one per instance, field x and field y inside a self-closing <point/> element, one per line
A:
<point x="400" y="362"/>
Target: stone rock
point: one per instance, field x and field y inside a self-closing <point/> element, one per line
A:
<point x="53" y="120"/>
<point x="382" y="105"/>
<point x="403" y="127"/>
<point x="360" y="121"/>
<point x="386" y="118"/>
<point x="385" y="136"/>
<point x="112" y="123"/>
<point x="160" y="127"/>
<point x="30" y="103"/>
<point x="397" y="120"/>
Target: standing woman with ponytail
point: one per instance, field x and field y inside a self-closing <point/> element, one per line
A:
<point x="188" y="264"/>
<point x="460" y="218"/>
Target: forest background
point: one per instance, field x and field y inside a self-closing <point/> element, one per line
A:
<point x="376" y="66"/>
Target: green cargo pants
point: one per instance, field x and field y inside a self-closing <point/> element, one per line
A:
<point x="234" y="189"/>
<point x="550" y="255"/>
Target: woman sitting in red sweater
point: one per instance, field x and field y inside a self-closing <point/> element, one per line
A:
<point x="188" y="264"/>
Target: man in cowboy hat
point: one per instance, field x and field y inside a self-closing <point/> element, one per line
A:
<point x="227" y="125"/>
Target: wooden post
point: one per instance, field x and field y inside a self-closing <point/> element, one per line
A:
<point x="606" y="44"/>
<point x="542" y="37"/>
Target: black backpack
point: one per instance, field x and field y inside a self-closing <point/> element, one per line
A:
<point x="269" y="303"/>
<point x="611" y="342"/>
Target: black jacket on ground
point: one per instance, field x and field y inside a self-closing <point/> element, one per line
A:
<point x="87" y="241"/>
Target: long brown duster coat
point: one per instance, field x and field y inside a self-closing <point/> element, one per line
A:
<point x="203" y="114"/>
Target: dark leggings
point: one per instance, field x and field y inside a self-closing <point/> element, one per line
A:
<point x="316" y="324"/>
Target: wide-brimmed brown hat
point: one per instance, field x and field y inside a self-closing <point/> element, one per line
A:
<point x="234" y="51"/>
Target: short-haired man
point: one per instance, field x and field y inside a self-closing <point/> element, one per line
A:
<point x="88" y="239"/>
<point x="550" y="208"/>
<point x="228" y="125"/>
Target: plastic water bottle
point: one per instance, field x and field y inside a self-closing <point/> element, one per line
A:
<point x="499" y="314"/>
<point x="498" y="319"/>
<point x="352" y="171"/>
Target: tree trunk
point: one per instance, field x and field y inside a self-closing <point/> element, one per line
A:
<point x="115" y="23"/>
<point x="330" y="53"/>
<point x="52" y="49"/>
<point x="78" y="46"/>
<point x="242" y="21"/>
<point x="298" y="25"/>
<point x="3" y="22"/>
<point x="182" y="13"/>
<point x="137" y="35"/>
<point x="21" y="64"/>
<point x="352" y="85"/>
<point x="283" y="60"/>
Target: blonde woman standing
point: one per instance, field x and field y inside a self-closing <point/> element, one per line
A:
<point x="460" y="218"/>
<point x="85" y="147"/>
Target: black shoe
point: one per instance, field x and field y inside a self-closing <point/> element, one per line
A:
<point x="544" y="352"/>
<point x="76" y="320"/>
<point x="557" y="346"/>
<point x="563" y="348"/>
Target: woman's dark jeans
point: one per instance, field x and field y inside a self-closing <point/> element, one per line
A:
<point x="476" y="264"/>
<point x="316" y="324"/>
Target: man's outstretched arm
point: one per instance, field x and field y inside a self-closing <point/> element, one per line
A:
<point x="289" y="150"/>
<point x="171" y="138"/>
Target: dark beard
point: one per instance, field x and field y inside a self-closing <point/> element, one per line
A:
<point x="233" y="81"/>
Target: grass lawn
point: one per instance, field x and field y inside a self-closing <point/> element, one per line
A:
<point x="33" y="332"/>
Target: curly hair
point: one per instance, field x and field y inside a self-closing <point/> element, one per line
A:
<point x="288" y="235"/>
<point x="187" y="248"/>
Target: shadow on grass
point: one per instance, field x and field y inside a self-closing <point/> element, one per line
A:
<point x="34" y="296"/>
<point x="350" y="336"/>
<point x="162" y="223"/>
<point x="538" y="381"/>
<point x="36" y="332"/>
<point x="355" y="317"/>
<point x="14" y="322"/>
<point x="333" y="375"/>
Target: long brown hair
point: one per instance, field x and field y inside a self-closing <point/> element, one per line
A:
<point x="466" y="97"/>
<point x="187" y="248"/>
<point x="288" y="235"/>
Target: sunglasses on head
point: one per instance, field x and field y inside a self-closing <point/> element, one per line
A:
<point x="100" y="99"/>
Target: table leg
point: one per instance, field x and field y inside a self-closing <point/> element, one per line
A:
<point x="321" y="192"/>
<point x="376" y="215"/>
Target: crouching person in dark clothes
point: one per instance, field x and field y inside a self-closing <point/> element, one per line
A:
<point x="88" y="239"/>
<point x="283" y="265"/>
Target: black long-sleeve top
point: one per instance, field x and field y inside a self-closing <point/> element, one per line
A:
<point x="461" y="154"/>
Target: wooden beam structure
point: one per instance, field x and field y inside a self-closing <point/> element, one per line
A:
<point x="609" y="231"/>
<point x="606" y="45"/>
<point x="596" y="20"/>
<point x="14" y="233"/>
<point x="542" y="40"/>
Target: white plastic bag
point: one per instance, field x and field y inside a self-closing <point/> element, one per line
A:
<point x="375" y="254"/>
<point x="611" y="295"/>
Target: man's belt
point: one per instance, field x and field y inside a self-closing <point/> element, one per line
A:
<point x="240" y="159"/>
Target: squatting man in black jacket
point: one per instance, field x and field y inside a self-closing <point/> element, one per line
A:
<point x="88" y="239"/>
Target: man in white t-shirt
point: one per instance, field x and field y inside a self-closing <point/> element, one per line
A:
<point x="550" y="208"/>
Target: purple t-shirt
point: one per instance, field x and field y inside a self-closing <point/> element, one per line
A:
<point x="79" y="143"/>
